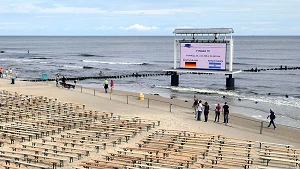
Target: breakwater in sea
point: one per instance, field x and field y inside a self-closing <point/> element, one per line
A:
<point x="158" y="74"/>
<point x="103" y="77"/>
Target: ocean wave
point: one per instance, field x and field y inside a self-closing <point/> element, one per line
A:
<point x="131" y="82"/>
<point x="15" y="60"/>
<point x="297" y="96"/>
<point x="291" y="74"/>
<point x="292" y="101"/>
<point x="87" y="67"/>
<point x="107" y="69"/>
<point x="279" y="100"/>
<point x="265" y="87"/>
<point x="43" y="62"/>
<point x="76" y="67"/>
<point x="200" y="91"/>
<point x="290" y="117"/>
<point x="40" y="58"/>
<point x="89" y="55"/>
<point x="239" y="63"/>
<point x="86" y="54"/>
<point x="73" y="66"/>
<point x="164" y="61"/>
<point x="151" y="72"/>
<point x="261" y="58"/>
<point x="114" y="63"/>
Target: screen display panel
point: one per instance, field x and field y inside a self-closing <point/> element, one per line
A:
<point x="209" y="56"/>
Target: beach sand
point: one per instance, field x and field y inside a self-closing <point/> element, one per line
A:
<point x="181" y="117"/>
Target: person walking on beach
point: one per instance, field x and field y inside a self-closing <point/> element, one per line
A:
<point x="112" y="84"/>
<point x="63" y="80"/>
<point x="10" y="72"/>
<point x="75" y="81"/>
<point x="1" y="72"/>
<point x="56" y="80"/>
<point x="195" y="105"/>
<point x="226" y="112"/>
<point x="6" y="73"/>
<point x="217" y="112"/>
<point x="272" y="118"/>
<point x="206" y="111"/>
<point x="199" y="111"/>
<point x="105" y="85"/>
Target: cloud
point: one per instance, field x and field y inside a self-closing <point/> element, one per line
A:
<point x="13" y="23"/>
<point x="31" y="8"/>
<point x="98" y="18"/>
<point x="45" y="16"/>
<point x="157" y="11"/>
<point x="259" y="23"/>
<point x="232" y="10"/>
<point x="62" y="9"/>
<point x="169" y="11"/>
<point x="265" y="29"/>
<point x="179" y="27"/>
<point x="263" y="23"/>
<point x="139" y="27"/>
<point x="69" y="9"/>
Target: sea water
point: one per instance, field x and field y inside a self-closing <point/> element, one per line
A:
<point x="255" y="94"/>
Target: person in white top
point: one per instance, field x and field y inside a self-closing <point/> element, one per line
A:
<point x="10" y="71"/>
<point x="6" y="73"/>
<point x="200" y="107"/>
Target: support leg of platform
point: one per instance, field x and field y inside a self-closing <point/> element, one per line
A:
<point x="174" y="79"/>
<point x="230" y="83"/>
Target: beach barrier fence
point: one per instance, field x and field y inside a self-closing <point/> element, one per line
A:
<point x="174" y="107"/>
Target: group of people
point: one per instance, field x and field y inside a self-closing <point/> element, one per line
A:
<point x="106" y="85"/>
<point x="8" y="73"/>
<point x="199" y="108"/>
<point x="57" y="78"/>
<point x="63" y="81"/>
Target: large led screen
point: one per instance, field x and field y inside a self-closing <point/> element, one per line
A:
<point x="203" y="56"/>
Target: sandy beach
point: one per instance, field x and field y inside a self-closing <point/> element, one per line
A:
<point x="180" y="117"/>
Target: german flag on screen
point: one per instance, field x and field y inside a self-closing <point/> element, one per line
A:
<point x="190" y="64"/>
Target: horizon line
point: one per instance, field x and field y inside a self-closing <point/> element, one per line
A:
<point x="118" y="35"/>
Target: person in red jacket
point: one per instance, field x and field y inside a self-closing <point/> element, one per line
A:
<point x="112" y="84"/>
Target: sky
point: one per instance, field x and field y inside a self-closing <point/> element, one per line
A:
<point x="147" y="17"/>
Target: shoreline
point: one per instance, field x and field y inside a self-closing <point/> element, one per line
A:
<point x="252" y="113"/>
<point x="181" y="116"/>
<point x="257" y="109"/>
<point x="235" y="119"/>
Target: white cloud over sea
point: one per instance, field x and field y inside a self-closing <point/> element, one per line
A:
<point x="139" y="27"/>
<point x="141" y="17"/>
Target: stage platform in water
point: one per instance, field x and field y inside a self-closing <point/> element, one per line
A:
<point x="222" y="72"/>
